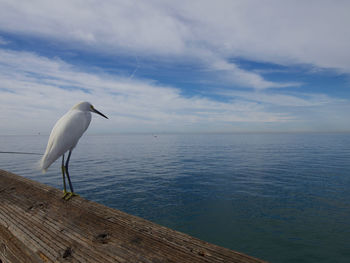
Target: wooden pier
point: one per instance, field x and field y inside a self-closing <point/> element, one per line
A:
<point x="37" y="225"/>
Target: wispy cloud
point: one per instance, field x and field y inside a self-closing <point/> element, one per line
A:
<point x="285" y="100"/>
<point x="266" y="31"/>
<point x="211" y="36"/>
<point x="233" y="74"/>
<point x="42" y="89"/>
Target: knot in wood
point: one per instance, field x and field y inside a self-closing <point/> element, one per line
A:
<point x="102" y="238"/>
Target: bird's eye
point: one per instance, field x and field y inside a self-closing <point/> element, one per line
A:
<point x="92" y="107"/>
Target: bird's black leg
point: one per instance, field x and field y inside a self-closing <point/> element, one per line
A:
<point x="67" y="162"/>
<point x="64" y="178"/>
<point x="69" y="181"/>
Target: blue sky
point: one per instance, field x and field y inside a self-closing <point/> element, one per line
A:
<point x="176" y="66"/>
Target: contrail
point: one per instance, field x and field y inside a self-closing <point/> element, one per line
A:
<point x="137" y="67"/>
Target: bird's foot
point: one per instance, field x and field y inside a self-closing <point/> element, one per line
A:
<point x="68" y="195"/>
<point x="65" y="193"/>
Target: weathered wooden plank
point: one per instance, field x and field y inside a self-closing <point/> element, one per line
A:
<point x="37" y="225"/>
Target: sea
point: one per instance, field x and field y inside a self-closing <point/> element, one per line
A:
<point x="281" y="197"/>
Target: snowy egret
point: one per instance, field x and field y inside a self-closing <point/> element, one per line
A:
<point x="64" y="137"/>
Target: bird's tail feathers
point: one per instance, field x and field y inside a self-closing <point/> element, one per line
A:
<point x="43" y="164"/>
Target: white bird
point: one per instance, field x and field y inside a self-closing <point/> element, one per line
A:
<point x="65" y="136"/>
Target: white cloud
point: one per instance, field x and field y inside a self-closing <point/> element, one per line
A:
<point x="36" y="90"/>
<point x="306" y="111"/>
<point x="287" y="32"/>
<point x="230" y="72"/>
<point x="311" y="32"/>
<point x="285" y="100"/>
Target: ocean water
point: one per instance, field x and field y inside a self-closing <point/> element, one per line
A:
<point x="278" y="197"/>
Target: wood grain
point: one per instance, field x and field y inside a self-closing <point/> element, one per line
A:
<point x="37" y="225"/>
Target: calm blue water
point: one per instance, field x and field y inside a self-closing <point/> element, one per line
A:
<point x="279" y="197"/>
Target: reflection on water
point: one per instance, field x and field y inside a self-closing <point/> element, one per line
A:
<point x="280" y="197"/>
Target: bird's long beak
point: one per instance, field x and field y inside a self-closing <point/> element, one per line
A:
<point x="96" y="111"/>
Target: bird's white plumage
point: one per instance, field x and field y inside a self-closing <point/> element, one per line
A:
<point x="66" y="133"/>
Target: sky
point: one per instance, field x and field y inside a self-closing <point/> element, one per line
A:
<point x="176" y="66"/>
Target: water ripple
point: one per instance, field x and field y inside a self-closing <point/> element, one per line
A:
<point x="281" y="197"/>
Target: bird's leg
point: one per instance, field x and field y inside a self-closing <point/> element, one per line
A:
<point x="71" y="193"/>
<point x="67" y="162"/>
<point x="64" y="178"/>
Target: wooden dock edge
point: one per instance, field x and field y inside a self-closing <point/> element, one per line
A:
<point x="37" y="225"/>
